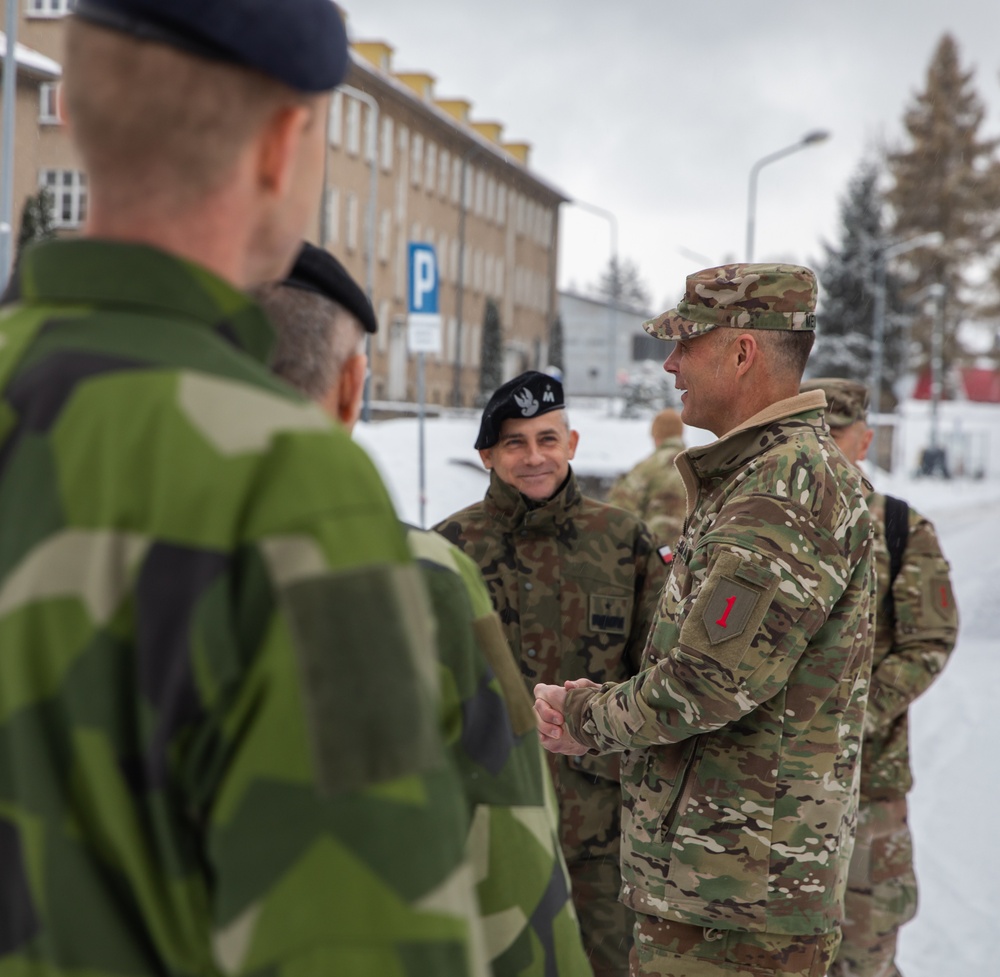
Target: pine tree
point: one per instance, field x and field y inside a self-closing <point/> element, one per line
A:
<point x="36" y="219"/>
<point x="557" y="354"/>
<point x="948" y="180"/>
<point x="846" y="319"/>
<point x="491" y="355"/>
<point x="621" y="284"/>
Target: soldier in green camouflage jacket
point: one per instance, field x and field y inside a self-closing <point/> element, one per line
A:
<point x="321" y="314"/>
<point x="575" y="583"/>
<point x="741" y="735"/>
<point x="219" y="748"/>
<point x="653" y="489"/>
<point x="916" y="629"/>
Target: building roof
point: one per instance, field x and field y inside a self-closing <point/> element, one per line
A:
<point x="31" y="62"/>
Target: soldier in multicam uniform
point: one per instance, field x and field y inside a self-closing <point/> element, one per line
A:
<point x="321" y="314"/>
<point x="575" y="583"/>
<point x="741" y="735"/>
<point x="654" y="489"/>
<point x="916" y="628"/>
<point x="219" y="746"/>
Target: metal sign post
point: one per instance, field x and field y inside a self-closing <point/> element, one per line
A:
<point x="423" y="335"/>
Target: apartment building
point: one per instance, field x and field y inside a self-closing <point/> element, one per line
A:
<point x="404" y="165"/>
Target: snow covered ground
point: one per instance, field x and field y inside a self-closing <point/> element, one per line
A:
<point x="957" y="792"/>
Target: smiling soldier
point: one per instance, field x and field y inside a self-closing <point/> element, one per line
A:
<point x="575" y="583"/>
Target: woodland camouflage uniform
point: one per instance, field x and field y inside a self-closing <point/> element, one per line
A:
<point x="575" y="583"/>
<point x="201" y="585"/>
<point x="741" y="735"/>
<point x="916" y="630"/>
<point x="654" y="491"/>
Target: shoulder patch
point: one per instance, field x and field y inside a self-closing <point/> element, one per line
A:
<point x="608" y="614"/>
<point x="940" y="597"/>
<point x="728" y="609"/>
<point x="666" y="554"/>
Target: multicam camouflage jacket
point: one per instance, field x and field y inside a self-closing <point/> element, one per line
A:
<point x="220" y="749"/>
<point x="522" y="883"/>
<point x="654" y="491"/>
<point x="575" y="583"/>
<point x="912" y="643"/>
<point x="743" y="730"/>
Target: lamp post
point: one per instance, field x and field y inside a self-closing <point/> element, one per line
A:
<point x="7" y="160"/>
<point x="809" y="139"/>
<point x="368" y="100"/>
<point x="612" y="343"/>
<point x="456" y="379"/>
<point x="883" y="253"/>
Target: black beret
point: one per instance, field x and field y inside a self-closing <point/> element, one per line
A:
<point x="529" y="395"/>
<point x="302" y="43"/>
<point x="316" y="270"/>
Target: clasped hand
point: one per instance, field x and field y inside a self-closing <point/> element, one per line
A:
<point x="550" y="709"/>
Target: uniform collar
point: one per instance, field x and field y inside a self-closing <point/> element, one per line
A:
<point x="141" y="278"/>
<point x="511" y="509"/>
<point x="738" y="448"/>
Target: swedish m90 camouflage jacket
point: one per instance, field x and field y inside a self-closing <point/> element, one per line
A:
<point x="219" y="735"/>
<point x="743" y="729"/>
<point x="911" y="647"/>
<point x="523" y="886"/>
<point x="654" y="491"/>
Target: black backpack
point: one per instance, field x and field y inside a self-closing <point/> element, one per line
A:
<point x="897" y="531"/>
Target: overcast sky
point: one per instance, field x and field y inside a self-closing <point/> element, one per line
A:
<point x="656" y="110"/>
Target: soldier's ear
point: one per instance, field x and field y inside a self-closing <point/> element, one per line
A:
<point x="486" y="456"/>
<point x="574" y="439"/>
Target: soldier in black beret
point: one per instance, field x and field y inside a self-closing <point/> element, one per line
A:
<point x="529" y="395"/>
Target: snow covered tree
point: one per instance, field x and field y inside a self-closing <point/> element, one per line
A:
<point x="946" y="180"/>
<point x="491" y="354"/>
<point x="846" y="319"/>
<point x="621" y="284"/>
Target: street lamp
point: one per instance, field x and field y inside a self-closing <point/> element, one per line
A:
<point x="883" y="253"/>
<point x="809" y="139"/>
<point x="7" y="150"/>
<point x="613" y="351"/>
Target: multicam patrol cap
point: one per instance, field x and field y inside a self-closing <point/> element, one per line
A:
<point x="846" y="400"/>
<point x="529" y="395"/>
<point x="741" y="297"/>
<point x="302" y="43"/>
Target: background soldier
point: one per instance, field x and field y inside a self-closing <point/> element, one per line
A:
<point x="321" y="314"/>
<point x="916" y="629"/>
<point x="743" y="730"/>
<point x="202" y="585"/>
<point x="653" y="489"/>
<point x="575" y="582"/>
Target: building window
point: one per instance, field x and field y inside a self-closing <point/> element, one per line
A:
<point x="499" y="279"/>
<point x="384" y="232"/>
<point x="48" y="8"/>
<point x="501" y="205"/>
<point x="69" y="196"/>
<point x="48" y="104"/>
<point x="371" y="136"/>
<point x="442" y="255"/>
<point x="445" y="166"/>
<point x="353" y="140"/>
<point x="332" y="215"/>
<point x="351" y="237"/>
<point x="480" y="192"/>
<point x="336" y="129"/>
<point x="431" y="166"/>
<point x="417" y="160"/>
<point x="456" y="180"/>
<point x="387" y="145"/>
<point x="491" y="198"/>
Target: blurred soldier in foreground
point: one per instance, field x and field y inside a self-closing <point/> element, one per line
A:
<point x="219" y="747"/>
<point x="654" y="489"/>
<point x="321" y="314"/>
<point x="916" y="628"/>
<point x="742" y="732"/>
<point x="575" y="582"/>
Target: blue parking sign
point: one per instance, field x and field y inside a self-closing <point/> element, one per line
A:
<point x="424" y="326"/>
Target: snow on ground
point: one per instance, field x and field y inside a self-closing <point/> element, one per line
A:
<point x="955" y="743"/>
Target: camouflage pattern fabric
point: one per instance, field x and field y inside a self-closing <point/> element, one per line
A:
<point x="219" y="739"/>
<point x="654" y="491"/>
<point x="743" y="731"/>
<point x="575" y="583"/>
<point x="744" y="296"/>
<point x="523" y="887"/>
<point x="666" y="948"/>
<point x="911" y="648"/>
<point x="881" y="892"/>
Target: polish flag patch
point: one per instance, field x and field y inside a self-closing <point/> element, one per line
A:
<point x="666" y="554"/>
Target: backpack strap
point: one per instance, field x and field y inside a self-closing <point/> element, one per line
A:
<point x="897" y="532"/>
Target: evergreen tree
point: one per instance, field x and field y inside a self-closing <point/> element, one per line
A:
<point x="557" y="355"/>
<point x="36" y="220"/>
<point x="491" y="353"/>
<point x="947" y="180"/>
<point x="846" y="320"/>
<point x="621" y="284"/>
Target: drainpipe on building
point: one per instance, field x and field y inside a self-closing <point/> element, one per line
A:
<point x="7" y="154"/>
